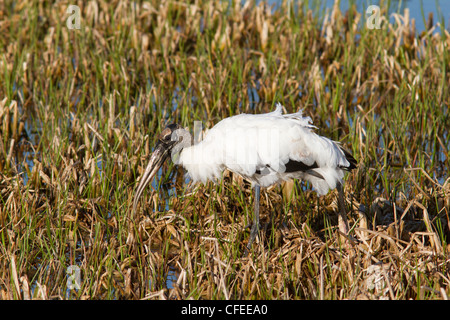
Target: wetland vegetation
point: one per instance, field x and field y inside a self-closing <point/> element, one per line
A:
<point x="80" y="110"/>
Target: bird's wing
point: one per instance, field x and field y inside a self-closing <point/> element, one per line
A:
<point x="268" y="148"/>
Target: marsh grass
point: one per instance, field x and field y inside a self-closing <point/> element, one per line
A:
<point x="80" y="109"/>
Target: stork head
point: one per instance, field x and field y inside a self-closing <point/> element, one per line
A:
<point x="166" y="142"/>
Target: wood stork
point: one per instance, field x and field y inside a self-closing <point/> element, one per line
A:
<point x="263" y="148"/>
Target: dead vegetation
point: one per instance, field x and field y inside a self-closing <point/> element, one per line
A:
<point x="80" y="109"/>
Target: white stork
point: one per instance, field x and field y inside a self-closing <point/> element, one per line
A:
<point x="264" y="148"/>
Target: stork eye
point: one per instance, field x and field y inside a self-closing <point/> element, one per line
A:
<point x="166" y="138"/>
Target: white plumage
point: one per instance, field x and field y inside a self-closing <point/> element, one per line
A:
<point x="264" y="148"/>
<point x="248" y="143"/>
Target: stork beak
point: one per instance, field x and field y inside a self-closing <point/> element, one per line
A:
<point x="159" y="155"/>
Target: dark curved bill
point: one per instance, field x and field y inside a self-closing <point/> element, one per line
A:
<point x="159" y="155"/>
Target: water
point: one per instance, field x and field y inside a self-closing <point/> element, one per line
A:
<point x="439" y="8"/>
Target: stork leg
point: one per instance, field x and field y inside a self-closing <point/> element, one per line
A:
<point x="343" y="222"/>
<point x="255" y="226"/>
